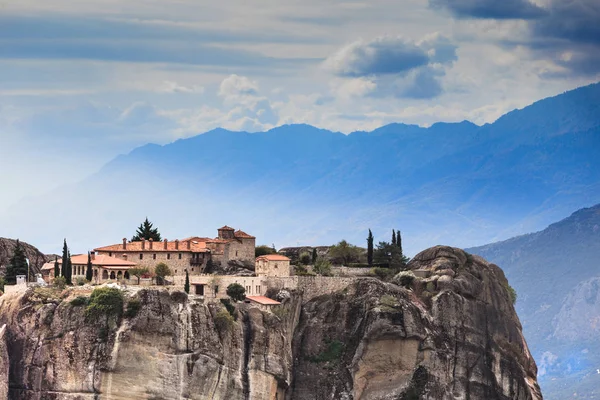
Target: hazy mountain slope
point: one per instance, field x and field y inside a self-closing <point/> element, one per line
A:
<point x="451" y="183"/>
<point x="556" y="273"/>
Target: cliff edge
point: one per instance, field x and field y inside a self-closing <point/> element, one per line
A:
<point x="450" y="334"/>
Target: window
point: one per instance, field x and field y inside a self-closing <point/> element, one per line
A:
<point x="180" y="256"/>
<point x="275" y="266"/>
<point x="168" y="256"/>
<point x="216" y="289"/>
<point x="110" y="254"/>
<point x="175" y="271"/>
<point x="154" y="256"/>
<point x="236" y="253"/>
<point x="257" y="289"/>
<point x="192" y="269"/>
<point x="141" y="256"/>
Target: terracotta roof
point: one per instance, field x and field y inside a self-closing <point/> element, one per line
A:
<point x="100" y="261"/>
<point x="263" y="300"/>
<point x="273" y="257"/>
<point x="197" y="246"/>
<point x="242" y="234"/>
<point x="49" y="265"/>
<point x="226" y="228"/>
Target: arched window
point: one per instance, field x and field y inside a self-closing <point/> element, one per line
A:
<point x="104" y="275"/>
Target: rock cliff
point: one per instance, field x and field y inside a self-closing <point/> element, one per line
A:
<point x="3" y="364"/>
<point x="452" y="335"/>
<point x="36" y="258"/>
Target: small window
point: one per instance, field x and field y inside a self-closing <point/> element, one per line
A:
<point x="110" y="254"/>
<point x="258" y="289"/>
<point x="236" y="253"/>
<point x="154" y="256"/>
<point x="175" y="271"/>
<point x="168" y="256"/>
<point x="141" y="256"/>
<point x="180" y="256"/>
<point x="275" y="266"/>
<point x="192" y="269"/>
<point x="216" y="289"/>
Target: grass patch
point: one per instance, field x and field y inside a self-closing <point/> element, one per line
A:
<point x="333" y="353"/>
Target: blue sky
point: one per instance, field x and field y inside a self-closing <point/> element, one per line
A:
<point x="84" y="81"/>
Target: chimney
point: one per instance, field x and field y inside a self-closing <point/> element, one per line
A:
<point x="151" y="241"/>
<point x="176" y="244"/>
<point x="143" y="244"/>
<point x="166" y="243"/>
<point x="124" y="243"/>
<point x="189" y="244"/>
<point x="93" y="255"/>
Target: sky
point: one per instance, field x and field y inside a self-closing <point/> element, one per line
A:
<point x="84" y="81"/>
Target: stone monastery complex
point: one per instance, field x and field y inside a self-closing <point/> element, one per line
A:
<point x="199" y="256"/>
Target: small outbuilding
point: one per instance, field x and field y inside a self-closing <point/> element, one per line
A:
<point x="263" y="302"/>
<point x="273" y="265"/>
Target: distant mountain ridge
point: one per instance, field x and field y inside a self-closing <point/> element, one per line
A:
<point x="452" y="183"/>
<point x="556" y="273"/>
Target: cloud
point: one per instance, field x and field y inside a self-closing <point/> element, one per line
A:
<point x="234" y="86"/>
<point x="383" y="55"/>
<point x="392" y="66"/>
<point x="494" y="9"/>
<point x="174" y="87"/>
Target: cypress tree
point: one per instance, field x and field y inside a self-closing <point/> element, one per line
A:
<point x="399" y="243"/>
<point x="56" y="268"/>
<point x="65" y="257"/>
<point x="370" y="248"/>
<point x="17" y="264"/>
<point x="68" y="269"/>
<point x="314" y="256"/>
<point x="186" y="287"/>
<point x="88" y="272"/>
<point x="393" y="237"/>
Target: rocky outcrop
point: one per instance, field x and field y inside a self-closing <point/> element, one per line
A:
<point x="579" y="317"/>
<point x="3" y="364"/>
<point x="372" y="340"/>
<point x="36" y="258"/>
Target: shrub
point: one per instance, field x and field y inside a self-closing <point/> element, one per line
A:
<point x="305" y="258"/>
<point x="384" y="274"/>
<point x="223" y="320"/>
<point x="60" y="282"/>
<point x="333" y="352"/>
<point x="388" y="301"/>
<point x="280" y="312"/>
<point x="405" y="279"/>
<point x="263" y="250"/>
<point x="230" y="307"/>
<point x="512" y="293"/>
<point x="236" y="292"/>
<point x="2" y="283"/>
<point x="133" y="307"/>
<point x="79" y="301"/>
<point x="301" y="270"/>
<point x="162" y="270"/>
<point x="105" y="301"/>
<point x="322" y="267"/>
<point x="80" y="281"/>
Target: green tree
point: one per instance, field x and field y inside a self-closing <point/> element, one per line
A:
<point x="162" y="270"/>
<point x="17" y="265"/>
<point x="322" y="267"/>
<point x="146" y="231"/>
<point x="69" y="269"/>
<point x="389" y="254"/>
<point x="393" y="237"/>
<point x="56" y="268"/>
<point x="186" y="287"/>
<point x="344" y="253"/>
<point x="305" y="258"/>
<point x="89" y="273"/>
<point x="138" y="272"/>
<point x="370" y="248"/>
<point x="314" y="256"/>
<point x="263" y="250"/>
<point x="399" y="242"/>
<point x="2" y="283"/>
<point x="236" y="292"/>
<point x="65" y="257"/>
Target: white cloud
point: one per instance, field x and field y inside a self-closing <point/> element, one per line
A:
<point x="174" y="87"/>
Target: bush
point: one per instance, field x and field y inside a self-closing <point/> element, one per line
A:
<point x="388" y="301"/>
<point x="80" y="281"/>
<point x="60" y="282"/>
<point x="133" y="307"/>
<point x="263" y="250"/>
<point x="162" y="270"/>
<point x="322" y="267"/>
<point x="230" y="307"/>
<point x="512" y="293"/>
<point x="281" y="312"/>
<point x="236" y="292"/>
<point x="2" y="283"/>
<point x="333" y="352"/>
<point x="405" y="279"/>
<point x="223" y="320"/>
<point x="384" y="274"/>
<point x="301" y="270"/>
<point x="305" y="258"/>
<point x="105" y="301"/>
<point x="79" y="301"/>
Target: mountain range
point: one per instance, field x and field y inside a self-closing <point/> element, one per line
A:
<point x="556" y="274"/>
<point x="452" y="183"/>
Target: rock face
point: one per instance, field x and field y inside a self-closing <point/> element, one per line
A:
<point x="373" y="340"/>
<point x="36" y="258"/>
<point x="3" y="364"/>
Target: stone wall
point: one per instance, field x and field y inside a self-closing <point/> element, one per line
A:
<point x="348" y="271"/>
<point x="241" y="250"/>
<point x="273" y="268"/>
<point x="177" y="261"/>
<point x="254" y="285"/>
<point x="311" y="286"/>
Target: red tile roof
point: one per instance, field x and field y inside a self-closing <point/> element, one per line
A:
<point x="226" y="228"/>
<point x="100" y="261"/>
<point x="263" y="300"/>
<point x="273" y="257"/>
<point x="242" y="234"/>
